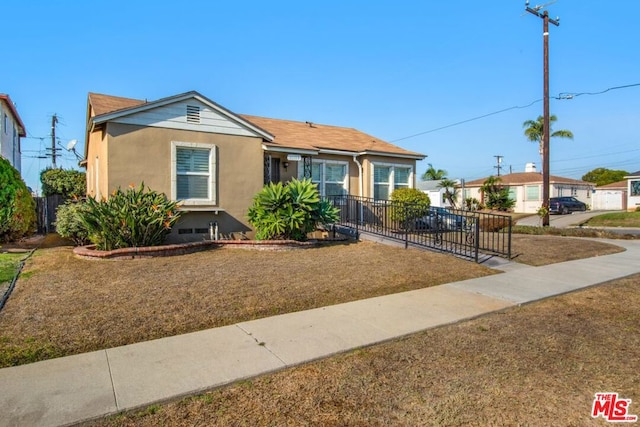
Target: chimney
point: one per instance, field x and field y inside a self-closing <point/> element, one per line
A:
<point x="530" y="167"/>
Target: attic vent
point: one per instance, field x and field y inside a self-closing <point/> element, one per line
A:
<point x="193" y="114"/>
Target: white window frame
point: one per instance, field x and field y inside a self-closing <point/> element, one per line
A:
<point x="323" y="176"/>
<point x="392" y="183"/>
<point x="212" y="197"/>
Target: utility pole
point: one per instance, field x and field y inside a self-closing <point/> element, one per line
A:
<point x="545" y="137"/>
<point x="499" y="165"/>
<point x="54" y="120"/>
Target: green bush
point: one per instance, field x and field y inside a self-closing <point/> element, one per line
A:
<point x="408" y="204"/>
<point x="17" y="207"/>
<point x="131" y="218"/>
<point x="289" y="212"/>
<point x="67" y="183"/>
<point x="69" y="222"/>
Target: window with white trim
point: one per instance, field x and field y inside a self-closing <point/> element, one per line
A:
<point x="331" y="177"/>
<point x="193" y="173"/>
<point x="532" y="192"/>
<point x="388" y="177"/>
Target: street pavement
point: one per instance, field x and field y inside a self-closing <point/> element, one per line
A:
<point x="78" y="388"/>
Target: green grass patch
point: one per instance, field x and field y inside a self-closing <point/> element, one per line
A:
<point x="28" y="351"/>
<point x="615" y="219"/>
<point x="569" y="232"/>
<point x="9" y="266"/>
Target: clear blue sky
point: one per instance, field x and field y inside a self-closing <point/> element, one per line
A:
<point x="391" y="69"/>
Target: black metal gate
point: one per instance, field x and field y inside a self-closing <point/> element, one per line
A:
<point x="473" y="235"/>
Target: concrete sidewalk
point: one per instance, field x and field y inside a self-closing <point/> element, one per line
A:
<point x="77" y="388"/>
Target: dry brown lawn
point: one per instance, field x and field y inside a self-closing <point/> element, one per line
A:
<point x="64" y="305"/>
<point x="536" y="365"/>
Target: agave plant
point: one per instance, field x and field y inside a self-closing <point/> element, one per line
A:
<point x="131" y="218"/>
<point x="289" y="212"/>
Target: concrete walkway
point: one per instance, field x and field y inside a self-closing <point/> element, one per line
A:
<point x="78" y="388"/>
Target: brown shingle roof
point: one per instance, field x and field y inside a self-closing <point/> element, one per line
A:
<point x="520" y="178"/>
<point x="103" y="104"/>
<point x="619" y="184"/>
<point x="312" y="136"/>
<point x="288" y="134"/>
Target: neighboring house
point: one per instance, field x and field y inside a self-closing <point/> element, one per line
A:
<point x="11" y="130"/>
<point x="214" y="161"/>
<point x="434" y="191"/>
<point x="526" y="189"/>
<point x="633" y="191"/>
<point x="610" y="197"/>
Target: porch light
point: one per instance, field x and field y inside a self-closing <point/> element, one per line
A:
<point x="286" y="165"/>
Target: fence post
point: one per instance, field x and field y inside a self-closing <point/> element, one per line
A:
<point x="477" y="239"/>
<point x="509" y="239"/>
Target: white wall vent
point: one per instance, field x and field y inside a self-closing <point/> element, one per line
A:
<point x="193" y="114"/>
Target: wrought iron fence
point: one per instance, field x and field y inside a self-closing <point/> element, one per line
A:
<point x="465" y="233"/>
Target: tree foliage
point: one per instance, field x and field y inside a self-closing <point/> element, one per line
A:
<point x="69" y="183"/>
<point x="131" y="218"/>
<point x="534" y="131"/>
<point x="69" y="222"/>
<point x="496" y="195"/>
<point x="17" y="207"/>
<point x="433" y="174"/>
<point x="604" y="176"/>
<point x="450" y="190"/>
<point x="409" y="203"/>
<point x="289" y="212"/>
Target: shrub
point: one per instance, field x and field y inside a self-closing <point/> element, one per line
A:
<point x="130" y="218"/>
<point x="289" y="212"/>
<point x="494" y="223"/>
<point x="17" y="207"/>
<point x="408" y="204"/>
<point x="69" y="222"/>
<point x="67" y="183"/>
<point x="473" y="204"/>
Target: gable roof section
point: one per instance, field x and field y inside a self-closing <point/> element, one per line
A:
<point x="110" y="108"/>
<point x="22" y="131"/>
<point x="318" y="138"/>
<point x="279" y="135"/>
<point x="613" y="185"/>
<point x="633" y="175"/>
<point x="522" y="178"/>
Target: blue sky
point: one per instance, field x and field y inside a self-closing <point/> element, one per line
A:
<point x="390" y="69"/>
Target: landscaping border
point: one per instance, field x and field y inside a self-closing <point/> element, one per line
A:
<point x="90" y="252"/>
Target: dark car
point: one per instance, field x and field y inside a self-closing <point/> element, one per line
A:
<point x="442" y="219"/>
<point x="565" y="205"/>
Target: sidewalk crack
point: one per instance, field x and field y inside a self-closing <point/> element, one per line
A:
<point x="113" y="387"/>
<point x="261" y="344"/>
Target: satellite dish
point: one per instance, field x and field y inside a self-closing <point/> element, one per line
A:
<point x="71" y="145"/>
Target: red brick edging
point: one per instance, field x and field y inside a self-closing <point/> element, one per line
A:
<point x="186" y="248"/>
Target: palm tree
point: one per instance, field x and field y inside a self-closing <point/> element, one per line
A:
<point x="450" y="190"/>
<point x="433" y="174"/>
<point x="535" y="130"/>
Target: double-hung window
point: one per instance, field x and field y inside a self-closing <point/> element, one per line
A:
<point x="330" y="176"/>
<point x="387" y="178"/>
<point x="193" y="173"/>
<point x="532" y="192"/>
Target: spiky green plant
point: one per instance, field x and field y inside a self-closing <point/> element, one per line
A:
<point x="289" y="211"/>
<point x="131" y="218"/>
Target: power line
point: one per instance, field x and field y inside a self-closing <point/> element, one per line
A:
<point x="560" y="96"/>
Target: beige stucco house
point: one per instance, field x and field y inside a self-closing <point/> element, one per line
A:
<point x="526" y="189"/>
<point x="214" y="161"/>
<point x="11" y="130"/>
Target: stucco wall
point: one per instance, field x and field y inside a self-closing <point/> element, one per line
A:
<point x="139" y="154"/>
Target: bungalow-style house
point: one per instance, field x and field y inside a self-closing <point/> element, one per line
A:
<point x="11" y="130"/>
<point x="526" y="189"/>
<point x="214" y="161"/>
<point x="610" y="197"/>
<point x="633" y="191"/>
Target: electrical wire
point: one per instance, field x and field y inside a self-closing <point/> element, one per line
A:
<point x="560" y="96"/>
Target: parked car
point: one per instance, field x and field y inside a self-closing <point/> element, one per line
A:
<point x="565" y="205"/>
<point x="442" y="218"/>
